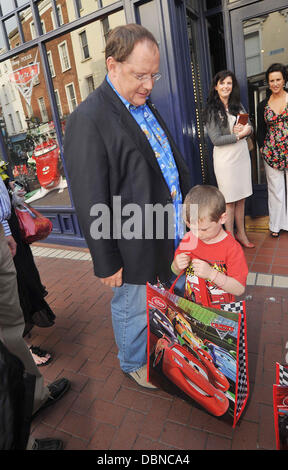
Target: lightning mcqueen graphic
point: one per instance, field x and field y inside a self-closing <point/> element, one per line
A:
<point x="190" y="375"/>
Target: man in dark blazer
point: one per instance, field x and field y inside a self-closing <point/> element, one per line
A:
<point x="113" y="154"/>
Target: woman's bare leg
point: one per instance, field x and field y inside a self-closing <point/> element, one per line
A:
<point x="240" y="221"/>
<point x="230" y="211"/>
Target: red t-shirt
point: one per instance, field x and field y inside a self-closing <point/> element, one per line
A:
<point x="226" y="256"/>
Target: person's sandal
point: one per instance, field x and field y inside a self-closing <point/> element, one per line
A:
<point x="40" y="353"/>
<point x="274" y="234"/>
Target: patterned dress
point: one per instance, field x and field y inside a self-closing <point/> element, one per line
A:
<point x="275" y="148"/>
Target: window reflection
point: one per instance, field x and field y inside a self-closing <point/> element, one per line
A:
<point x="12" y="32"/>
<point x="77" y="66"/>
<point x="7" y="6"/>
<point x="46" y="16"/>
<point x="265" y="39"/>
<point x="29" y="131"/>
<point x="27" y="24"/>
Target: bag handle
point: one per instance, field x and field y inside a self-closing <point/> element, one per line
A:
<point x="23" y="207"/>
<point x="171" y="289"/>
<point x="204" y="295"/>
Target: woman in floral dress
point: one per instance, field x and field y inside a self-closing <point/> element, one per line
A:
<point x="272" y="138"/>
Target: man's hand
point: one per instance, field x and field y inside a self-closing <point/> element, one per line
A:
<point x="12" y="244"/>
<point x="113" y="281"/>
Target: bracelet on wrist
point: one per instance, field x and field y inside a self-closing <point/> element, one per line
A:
<point x="214" y="275"/>
<point x="220" y="279"/>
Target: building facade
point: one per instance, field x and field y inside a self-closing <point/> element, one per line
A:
<point x="52" y="57"/>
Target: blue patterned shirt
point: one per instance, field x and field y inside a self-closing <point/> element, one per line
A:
<point x="5" y="208"/>
<point x="163" y="153"/>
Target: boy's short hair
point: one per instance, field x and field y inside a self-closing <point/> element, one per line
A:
<point x="209" y="201"/>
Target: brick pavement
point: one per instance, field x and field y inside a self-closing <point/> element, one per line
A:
<point x="105" y="410"/>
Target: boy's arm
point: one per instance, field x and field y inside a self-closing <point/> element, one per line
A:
<point x="228" y="283"/>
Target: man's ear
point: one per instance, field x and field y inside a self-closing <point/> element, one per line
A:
<point x="223" y="218"/>
<point x="110" y="64"/>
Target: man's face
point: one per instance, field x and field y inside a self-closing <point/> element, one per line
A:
<point x="143" y="61"/>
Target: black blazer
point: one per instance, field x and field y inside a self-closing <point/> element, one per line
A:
<point x="107" y="155"/>
<point x="261" y="124"/>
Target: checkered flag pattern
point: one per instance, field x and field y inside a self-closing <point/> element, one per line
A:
<point x="283" y="375"/>
<point x="235" y="307"/>
<point x="242" y="385"/>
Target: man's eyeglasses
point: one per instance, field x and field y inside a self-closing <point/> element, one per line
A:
<point x="144" y="78"/>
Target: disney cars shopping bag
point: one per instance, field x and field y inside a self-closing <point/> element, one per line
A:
<point x="280" y="405"/>
<point x="199" y="353"/>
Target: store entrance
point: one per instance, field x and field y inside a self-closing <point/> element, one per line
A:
<point x="259" y="38"/>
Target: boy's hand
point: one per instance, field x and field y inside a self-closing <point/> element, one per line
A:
<point x="202" y="268"/>
<point x="181" y="262"/>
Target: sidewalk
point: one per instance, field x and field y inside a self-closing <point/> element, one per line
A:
<point x="104" y="409"/>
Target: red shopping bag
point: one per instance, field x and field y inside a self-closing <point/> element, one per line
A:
<point x="198" y="352"/>
<point x="33" y="225"/>
<point x="280" y="407"/>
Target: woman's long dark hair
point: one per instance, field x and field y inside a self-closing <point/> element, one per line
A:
<point x="215" y="109"/>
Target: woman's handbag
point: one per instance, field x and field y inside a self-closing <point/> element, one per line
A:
<point x="198" y="350"/>
<point x="33" y="225"/>
<point x="250" y="143"/>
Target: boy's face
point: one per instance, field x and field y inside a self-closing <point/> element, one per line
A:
<point x="206" y="230"/>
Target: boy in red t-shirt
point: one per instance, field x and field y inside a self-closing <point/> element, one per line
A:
<point x="208" y="251"/>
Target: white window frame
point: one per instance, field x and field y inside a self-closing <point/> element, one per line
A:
<point x="11" y="122"/>
<point x="60" y="16"/>
<point x="51" y="63"/>
<point x="87" y="83"/>
<point x="5" y="94"/>
<point x="19" y="120"/>
<point x="63" y="66"/>
<point x="83" y="46"/>
<point x="43" y="109"/>
<point x="58" y="102"/>
<point x="70" y="104"/>
<point x="33" y="30"/>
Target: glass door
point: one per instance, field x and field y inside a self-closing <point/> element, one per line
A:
<point x="259" y="37"/>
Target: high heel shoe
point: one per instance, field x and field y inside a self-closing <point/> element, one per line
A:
<point x="246" y="245"/>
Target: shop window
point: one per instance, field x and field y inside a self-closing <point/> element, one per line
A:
<point x="84" y="45"/>
<point x="64" y="56"/>
<point x="32" y="145"/>
<point x="30" y="133"/>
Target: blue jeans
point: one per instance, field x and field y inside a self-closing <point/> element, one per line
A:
<point x="129" y="319"/>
